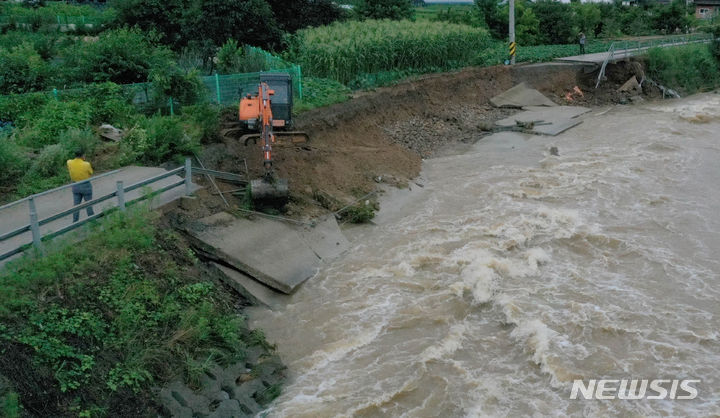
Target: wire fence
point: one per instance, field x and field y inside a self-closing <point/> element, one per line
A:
<point x="220" y="89"/>
<point x="62" y="21"/>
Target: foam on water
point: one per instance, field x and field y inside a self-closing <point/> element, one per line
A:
<point x="517" y="273"/>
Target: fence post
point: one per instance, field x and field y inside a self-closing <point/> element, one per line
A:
<point x="172" y="110"/>
<point x="217" y="86"/>
<point x="188" y="176"/>
<point x="55" y="93"/>
<point x="121" y="195"/>
<point x="299" y="77"/>
<point x="34" y="225"/>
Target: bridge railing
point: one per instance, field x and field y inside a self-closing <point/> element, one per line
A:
<point x="628" y="47"/>
<point x="35" y="221"/>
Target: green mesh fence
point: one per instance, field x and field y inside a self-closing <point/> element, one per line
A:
<point x="225" y="90"/>
<point x="228" y="89"/>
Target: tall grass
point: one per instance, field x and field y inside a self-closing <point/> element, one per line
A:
<point x="689" y="69"/>
<point x="343" y="51"/>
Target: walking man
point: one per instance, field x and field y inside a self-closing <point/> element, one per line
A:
<point x="582" y="43"/>
<point x="80" y="171"/>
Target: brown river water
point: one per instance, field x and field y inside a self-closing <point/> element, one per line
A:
<point x="512" y="272"/>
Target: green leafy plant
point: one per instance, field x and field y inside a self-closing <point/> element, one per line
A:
<point x="156" y="139"/>
<point x="13" y="162"/>
<point x="22" y="69"/>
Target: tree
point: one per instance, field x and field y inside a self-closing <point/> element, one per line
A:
<point x="122" y="56"/>
<point x="528" y="26"/>
<point x="205" y="24"/>
<point x="22" y="70"/>
<point x="496" y="20"/>
<point x="669" y="18"/>
<point x="162" y="16"/>
<point x="248" y="21"/>
<point x="386" y="9"/>
<point x="555" y="22"/>
<point x="298" y="14"/>
<point x="587" y="17"/>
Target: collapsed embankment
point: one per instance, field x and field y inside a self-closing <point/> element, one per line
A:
<point x="385" y="133"/>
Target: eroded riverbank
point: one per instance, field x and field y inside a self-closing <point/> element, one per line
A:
<point x="511" y="272"/>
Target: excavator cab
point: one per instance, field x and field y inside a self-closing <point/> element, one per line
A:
<point x="280" y="85"/>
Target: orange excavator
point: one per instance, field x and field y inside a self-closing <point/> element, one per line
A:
<point x="270" y="108"/>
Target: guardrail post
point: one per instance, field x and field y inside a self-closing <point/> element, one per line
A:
<point x="188" y="176"/>
<point x="34" y="225"/>
<point x="121" y="195"/>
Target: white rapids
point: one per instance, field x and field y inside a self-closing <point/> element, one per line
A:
<point x="512" y="272"/>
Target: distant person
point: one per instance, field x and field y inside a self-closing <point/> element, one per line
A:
<point x="582" y="43"/>
<point x="80" y="171"/>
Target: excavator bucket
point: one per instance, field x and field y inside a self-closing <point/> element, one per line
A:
<point x="270" y="192"/>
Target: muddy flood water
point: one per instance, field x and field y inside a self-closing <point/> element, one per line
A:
<point x="512" y="272"/>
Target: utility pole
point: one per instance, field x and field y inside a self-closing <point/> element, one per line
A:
<point x="512" y="32"/>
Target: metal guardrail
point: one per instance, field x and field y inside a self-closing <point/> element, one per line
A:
<point x="628" y="48"/>
<point x="34" y="223"/>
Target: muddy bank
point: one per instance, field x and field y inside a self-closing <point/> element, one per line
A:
<point x="387" y="132"/>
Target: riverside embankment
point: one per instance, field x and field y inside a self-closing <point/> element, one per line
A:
<point x="512" y="272"/>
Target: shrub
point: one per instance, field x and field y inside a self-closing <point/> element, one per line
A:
<point x="155" y="140"/>
<point x="22" y="108"/>
<point x="342" y="51"/>
<point x="108" y="103"/>
<point x="202" y="122"/>
<point x="122" y="56"/>
<point x="78" y="139"/>
<point x="13" y="162"/>
<point x="22" y="70"/>
<point x="54" y="118"/>
<point x="229" y="57"/>
<point x="690" y="68"/>
<point x="183" y="88"/>
<point x="43" y="43"/>
<point x="50" y="162"/>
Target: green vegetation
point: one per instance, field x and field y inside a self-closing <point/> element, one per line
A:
<point x="89" y="329"/>
<point x="384" y="9"/>
<point x="689" y="69"/>
<point x="345" y="51"/>
<point x="319" y="92"/>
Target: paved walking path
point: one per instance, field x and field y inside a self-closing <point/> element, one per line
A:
<point x="17" y="216"/>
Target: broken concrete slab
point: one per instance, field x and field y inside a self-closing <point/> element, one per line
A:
<point x="545" y="114"/>
<point x="325" y="239"/>
<point x="256" y="292"/>
<point x="520" y="96"/>
<point x="545" y="120"/>
<point x="276" y="253"/>
<point x="556" y="128"/>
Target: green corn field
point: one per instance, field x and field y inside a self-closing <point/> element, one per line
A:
<point x="343" y="51"/>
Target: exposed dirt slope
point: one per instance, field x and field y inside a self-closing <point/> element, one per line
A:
<point x="387" y="132"/>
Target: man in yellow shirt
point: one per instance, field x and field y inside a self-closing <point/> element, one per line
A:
<point x="80" y="171"/>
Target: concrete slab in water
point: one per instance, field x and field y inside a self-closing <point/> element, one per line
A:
<point x="275" y="253"/>
<point x="557" y="127"/>
<point x="551" y="120"/>
<point x="325" y="238"/>
<point x="521" y="96"/>
<point x="546" y="114"/>
<point x="255" y="291"/>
